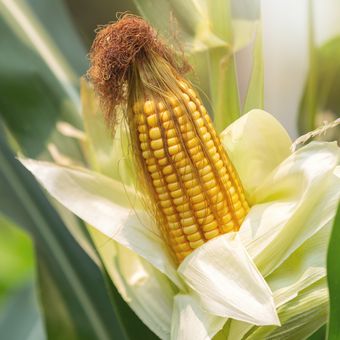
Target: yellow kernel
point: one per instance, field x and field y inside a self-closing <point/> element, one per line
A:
<point x="190" y="183"/>
<point x="173" y="101"/>
<point x="212" y="150"/>
<point x="185" y="214"/>
<point x="171" y="133"/>
<point x="161" y="190"/>
<point x="152" y="168"/>
<point x="142" y="128"/>
<point x="144" y="146"/>
<point x="196" y="244"/>
<point x="140" y="118"/>
<point x="172" y="141"/>
<point x="203" y="110"/>
<point x="185" y="97"/>
<point x="172" y="218"/>
<point x="174" y="149"/>
<point x="191" y="93"/>
<point x="182" y="85"/>
<point x="203" y="213"/>
<point x="190" y="229"/>
<point x="146" y="154"/>
<point x="209" y="144"/>
<point x="168" y="169"/>
<point x="176" y="232"/>
<point x="209" y="180"/>
<point x="206" y="136"/>
<point x="176" y="193"/>
<point x="178" y="111"/>
<point x="198" y="157"/>
<point x="185" y="169"/>
<point x="228" y="227"/>
<point x="211" y="234"/>
<point x="200" y="205"/>
<point x="209" y="226"/>
<point x="194" y="191"/>
<point x="174" y="186"/>
<point x="159" y="153"/>
<point x="158" y="182"/>
<point x="174" y="225"/>
<point x="213" y="191"/>
<point x="188" y="177"/>
<point x="183" y="120"/>
<point x="165" y="204"/>
<point x="203" y="130"/>
<point x="168" y="124"/>
<point x="194" y="237"/>
<point x="199" y="122"/>
<point x="205" y="170"/>
<point x="223" y="172"/>
<point x="202" y="163"/>
<point x="155" y="133"/>
<point x="220" y="205"/>
<point x="165" y="116"/>
<point x="180" y="200"/>
<point x="151" y="161"/>
<point x="206" y="219"/>
<point x="195" y="115"/>
<point x="193" y="142"/>
<point x="186" y="127"/>
<point x="237" y="205"/>
<point x="181" y="239"/>
<point x="164" y="196"/>
<point x="143" y="137"/>
<point x="186" y="222"/>
<point x="163" y="161"/>
<point x="181" y="247"/>
<point x="179" y="156"/>
<point x="183" y="207"/>
<point x="156" y="144"/>
<point x="149" y="107"/>
<point x="169" y="211"/>
<point x="215" y="157"/>
<point x="219" y="164"/>
<point x="240" y="214"/>
<point x="197" y="198"/>
<point x="226" y="218"/>
<point x="152" y="120"/>
<point x="191" y="106"/>
<point x="156" y="175"/>
<point x="171" y="178"/>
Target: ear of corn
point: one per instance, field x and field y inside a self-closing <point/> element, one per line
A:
<point x="193" y="190"/>
<point x="196" y="190"/>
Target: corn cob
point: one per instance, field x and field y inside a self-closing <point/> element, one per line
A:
<point x="193" y="186"/>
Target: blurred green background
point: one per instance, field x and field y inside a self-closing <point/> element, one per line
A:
<point x="44" y="46"/>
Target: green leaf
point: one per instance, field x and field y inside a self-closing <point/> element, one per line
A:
<point x="255" y="94"/>
<point x="320" y="334"/>
<point x="320" y="101"/>
<point x="38" y="85"/>
<point x="333" y="276"/>
<point x="21" y="319"/>
<point x="16" y="257"/>
<point x="70" y="280"/>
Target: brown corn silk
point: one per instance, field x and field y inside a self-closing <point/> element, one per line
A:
<point x="195" y="192"/>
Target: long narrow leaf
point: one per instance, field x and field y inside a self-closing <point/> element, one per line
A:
<point x="333" y="276"/>
<point x="255" y="94"/>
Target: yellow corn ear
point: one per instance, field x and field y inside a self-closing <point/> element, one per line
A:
<point x="195" y="187"/>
